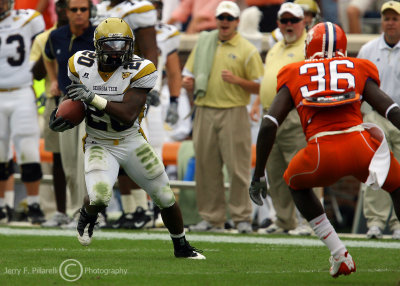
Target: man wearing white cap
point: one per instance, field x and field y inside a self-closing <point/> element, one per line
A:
<point x="289" y="138"/>
<point x="222" y="71"/>
<point x="384" y="52"/>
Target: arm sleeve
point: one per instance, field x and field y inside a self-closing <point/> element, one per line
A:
<point x="48" y="49"/>
<point x="254" y="67"/>
<point x="371" y="71"/>
<point x="137" y="20"/>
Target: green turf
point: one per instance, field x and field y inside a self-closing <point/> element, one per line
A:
<point x="151" y="262"/>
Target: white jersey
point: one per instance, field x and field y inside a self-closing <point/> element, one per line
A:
<point x="139" y="73"/>
<point x="168" y="38"/>
<point x="138" y="14"/>
<point x="16" y="34"/>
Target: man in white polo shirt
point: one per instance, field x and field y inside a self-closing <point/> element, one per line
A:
<point x="384" y="52"/>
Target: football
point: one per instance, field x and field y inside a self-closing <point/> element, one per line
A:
<point x="73" y="111"/>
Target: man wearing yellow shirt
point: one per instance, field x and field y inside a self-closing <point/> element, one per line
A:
<point x="290" y="137"/>
<point x="223" y="70"/>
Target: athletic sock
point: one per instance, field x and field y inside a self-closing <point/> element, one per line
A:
<point x="32" y="199"/>
<point x="178" y="240"/>
<point x="128" y="203"/>
<point x="9" y="198"/>
<point x="140" y="197"/>
<point x="327" y="234"/>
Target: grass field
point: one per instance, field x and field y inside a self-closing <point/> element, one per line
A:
<point x="32" y="256"/>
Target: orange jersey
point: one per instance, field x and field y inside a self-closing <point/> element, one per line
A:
<point x="325" y="77"/>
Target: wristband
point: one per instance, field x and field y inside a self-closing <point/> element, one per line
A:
<point x="273" y="119"/>
<point x="99" y="102"/>
<point x="259" y="179"/>
<point x="390" y="108"/>
<point x="173" y="98"/>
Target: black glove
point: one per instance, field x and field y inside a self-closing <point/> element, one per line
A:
<point x="78" y="91"/>
<point x="172" y="113"/>
<point x="257" y="187"/>
<point x="59" y="124"/>
<point x="153" y="98"/>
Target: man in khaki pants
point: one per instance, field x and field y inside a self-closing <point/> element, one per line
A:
<point x="224" y="70"/>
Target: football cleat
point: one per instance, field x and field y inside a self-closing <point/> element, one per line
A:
<point x="85" y="227"/>
<point x="35" y="214"/>
<point x="344" y="265"/>
<point x="188" y="251"/>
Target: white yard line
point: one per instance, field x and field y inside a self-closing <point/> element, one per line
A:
<point x="195" y="237"/>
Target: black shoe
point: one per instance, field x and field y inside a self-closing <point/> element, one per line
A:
<point x="85" y="238"/>
<point x="3" y="215"/>
<point x="136" y="220"/>
<point x="265" y="223"/>
<point x="119" y="222"/>
<point x="35" y="214"/>
<point x="10" y="213"/>
<point x="188" y="251"/>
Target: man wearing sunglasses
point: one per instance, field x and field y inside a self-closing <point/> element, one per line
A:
<point x="290" y="137"/>
<point x="222" y="71"/>
<point x="62" y="43"/>
<point x="51" y="138"/>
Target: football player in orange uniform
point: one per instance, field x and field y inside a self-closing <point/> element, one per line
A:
<point x="327" y="90"/>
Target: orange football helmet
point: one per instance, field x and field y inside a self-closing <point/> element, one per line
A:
<point x="325" y="40"/>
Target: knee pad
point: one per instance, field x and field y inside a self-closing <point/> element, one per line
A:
<point x="163" y="197"/>
<point x="100" y="194"/>
<point x="6" y="170"/>
<point x="31" y="172"/>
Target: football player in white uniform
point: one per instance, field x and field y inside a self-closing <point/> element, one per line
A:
<point x="18" y="114"/>
<point x="114" y="85"/>
<point x="141" y="16"/>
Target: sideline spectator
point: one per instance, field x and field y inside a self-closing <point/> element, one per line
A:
<point x="289" y="138"/>
<point x="384" y="52"/>
<point x="223" y="70"/>
<point x="199" y="14"/>
<point x="51" y="138"/>
<point x="269" y="10"/>
<point x="62" y="43"/>
<point x="350" y="13"/>
<point x="312" y="16"/>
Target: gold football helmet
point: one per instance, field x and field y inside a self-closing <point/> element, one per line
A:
<point x="310" y="6"/>
<point x="5" y="7"/>
<point x="113" y="41"/>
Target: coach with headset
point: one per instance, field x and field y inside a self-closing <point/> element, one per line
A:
<point x="61" y="45"/>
